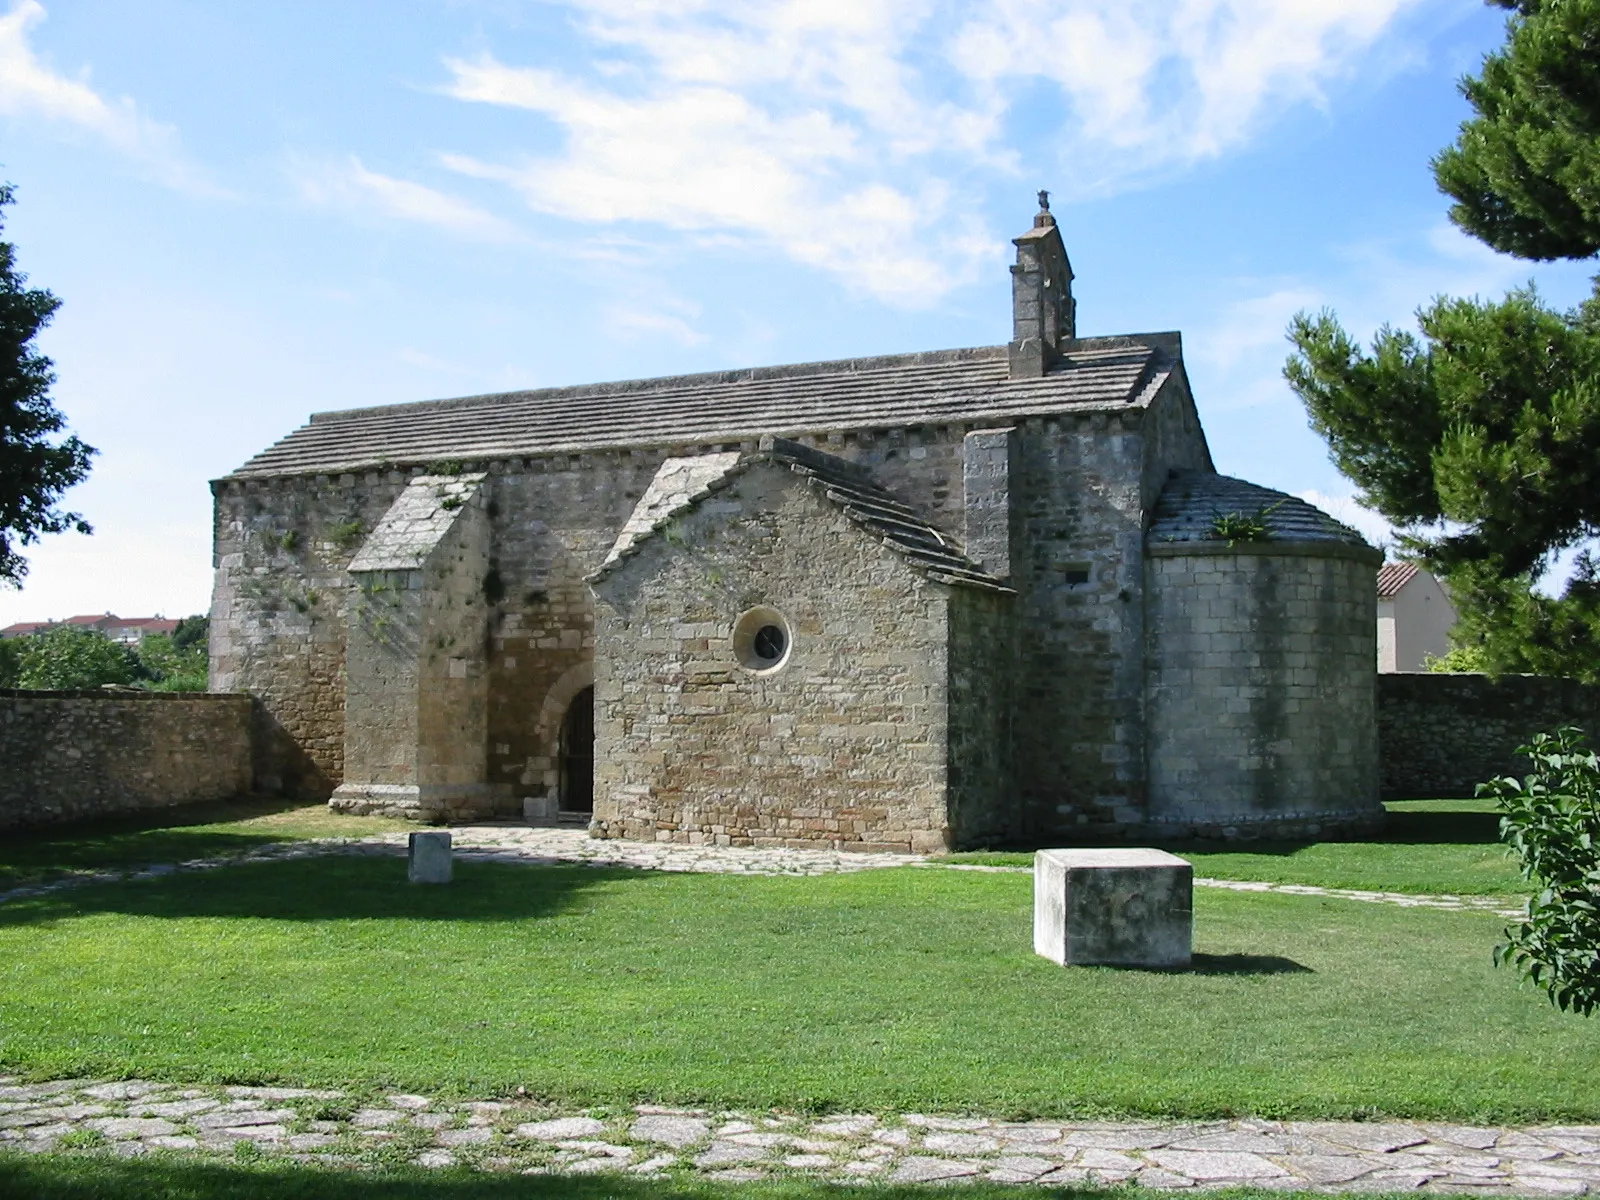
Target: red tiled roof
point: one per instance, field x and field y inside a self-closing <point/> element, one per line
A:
<point x="1393" y="576"/>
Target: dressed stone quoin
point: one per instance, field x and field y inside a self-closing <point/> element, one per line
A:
<point x="911" y="602"/>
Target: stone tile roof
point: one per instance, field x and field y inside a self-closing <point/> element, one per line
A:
<point x="1193" y="501"/>
<point x="1393" y="576"/>
<point x="915" y="389"/>
<point x="418" y="518"/>
<point x="682" y="483"/>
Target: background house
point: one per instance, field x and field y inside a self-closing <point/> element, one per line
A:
<point x="1415" y="617"/>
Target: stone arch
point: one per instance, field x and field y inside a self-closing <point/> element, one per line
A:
<point x="559" y="698"/>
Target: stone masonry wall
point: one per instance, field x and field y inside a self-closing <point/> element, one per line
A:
<point x="282" y="547"/>
<point x="982" y="663"/>
<point x="1440" y="736"/>
<point x="844" y="745"/>
<point x="1262" y="697"/>
<point x="75" y="755"/>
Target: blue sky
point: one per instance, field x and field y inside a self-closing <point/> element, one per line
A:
<point x="254" y="212"/>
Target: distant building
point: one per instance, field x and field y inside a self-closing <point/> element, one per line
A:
<point x="1415" y="617"/>
<point x="130" y="631"/>
<point x="25" y="629"/>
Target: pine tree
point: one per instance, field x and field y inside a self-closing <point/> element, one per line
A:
<point x="1487" y="428"/>
<point x="34" y="471"/>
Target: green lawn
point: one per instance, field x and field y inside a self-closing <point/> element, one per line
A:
<point x="1438" y="847"/>
<point x="95" y="1177"/>
<point x="908" y="989"/>
<point x="172" y="835"/>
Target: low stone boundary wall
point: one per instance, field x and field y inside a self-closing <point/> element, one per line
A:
<point x="1441" y="735"/>
<point x="72" y="755"/>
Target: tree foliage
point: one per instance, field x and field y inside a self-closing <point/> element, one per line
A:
<point x="1525" y="171"/>
<point x="1486" y="428"/>
<point x="34" y="470"/>
<point x="1551" y="820"/>
<point x="66" y="657"/>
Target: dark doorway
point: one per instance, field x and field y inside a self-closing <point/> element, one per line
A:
<point x="577" y="754"/>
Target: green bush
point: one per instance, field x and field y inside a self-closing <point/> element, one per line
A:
<point x="169" y="667"/>
<point x="1551" y="820"/>
<point x="10" y="661"/>
<point x="67" y="657"/>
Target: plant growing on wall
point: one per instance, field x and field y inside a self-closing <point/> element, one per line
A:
<point x="1236" y="527"/>
<point x="1551" y="820"/>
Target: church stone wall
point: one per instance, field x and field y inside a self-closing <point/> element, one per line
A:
<point x="1079" y="682"/>
<point x="278" y="614"/>
<point x="1262" y="688"/>
<point x="845" y="744"/>
<point x="982" y="665"/>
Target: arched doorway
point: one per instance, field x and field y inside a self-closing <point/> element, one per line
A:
<point x="577" y="754"/>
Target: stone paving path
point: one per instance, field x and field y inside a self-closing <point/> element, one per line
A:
<point x="517" y="843"/>
<point x="133" y="1118"/>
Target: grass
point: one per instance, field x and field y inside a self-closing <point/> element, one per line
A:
<point x="896" y="989"/>
<point x="1437" y="847"/>
<point x="173" y="835"/>
<point x="163" y="1177"/>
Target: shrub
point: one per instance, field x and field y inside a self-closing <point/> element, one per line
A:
<point x="1551" y="820"/>
<point x="10" y="661"/>
<point x="68" y="657"/>
<point x="171" y="668"/>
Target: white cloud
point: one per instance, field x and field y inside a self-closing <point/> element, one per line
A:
<point x="858" y="136"/>
<point x="655" y="318"/>
<point x="350" y="185"/>
<point x="1156" y="84"/>
<point x="31" y="90"/>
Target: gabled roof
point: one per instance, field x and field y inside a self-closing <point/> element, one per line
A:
<point x="727" y="406"/>
<point x="1193" y="503"/>
<point x="682" y="483"/>
<point x="1393" y="576"/>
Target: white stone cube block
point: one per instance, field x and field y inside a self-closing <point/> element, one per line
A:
<point x="1113" y="907"/>
<point x="540" y="810"/>
<point x="428" y="860"/>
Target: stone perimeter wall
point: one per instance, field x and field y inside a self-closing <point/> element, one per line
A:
<point x="75" y="755"/>
<point x="1439" y="736"/>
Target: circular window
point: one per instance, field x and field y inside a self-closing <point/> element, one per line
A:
<point x="761" y="640"/>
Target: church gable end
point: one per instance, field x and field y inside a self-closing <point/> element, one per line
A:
<point x="785" y="626"/>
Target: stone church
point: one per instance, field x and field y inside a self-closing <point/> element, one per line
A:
<point x="958" y="598"/>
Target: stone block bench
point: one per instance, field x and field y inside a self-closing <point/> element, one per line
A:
<point x="1113" y="907"/>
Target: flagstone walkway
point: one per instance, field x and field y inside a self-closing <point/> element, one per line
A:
<point x="133" y="1118"/>
<point x="518" y="843"/>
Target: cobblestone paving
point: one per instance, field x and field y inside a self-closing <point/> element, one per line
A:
<point x="522" y="844"/>
<point x="132" y="1118"/>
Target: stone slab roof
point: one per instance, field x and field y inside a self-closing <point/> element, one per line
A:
<point x="419" y="517"/>
<point x="1393" y="576"/>
<point x="901" y="390"/>
<point x="1193" y="502"/>
<point x="682" y="483"/>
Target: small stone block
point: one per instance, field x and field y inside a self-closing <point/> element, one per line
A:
<point x="429" y="858"/>
<point x="1114" y="907"/>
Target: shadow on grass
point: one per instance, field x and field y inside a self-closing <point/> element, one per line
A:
<point x="136" y="838"/>
<point x="94" y="1177"/>
<point x="1403" y="828"/>
<point x="1246" y="964"/>
<point x="327" y="887"/>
